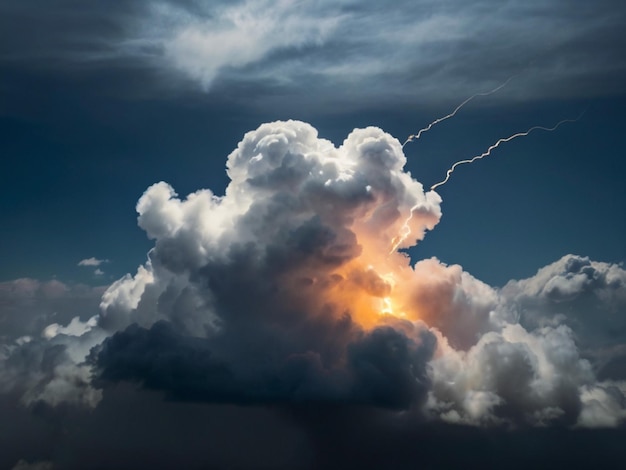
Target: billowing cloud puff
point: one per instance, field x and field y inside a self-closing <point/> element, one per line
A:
<point x="40" y="359"/>
<point x="282" y="281"/>
<point x="246" y="33"/>
<point x="554" y="358"/>
<point x="512" y="375"/>
<point x="298" y="211"/>
<point x="289" y="289"/>
<point x="588" y="296"/>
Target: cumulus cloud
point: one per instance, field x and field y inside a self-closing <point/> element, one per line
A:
<point x="512" y="376"/>
<point x="330" y="44"/>
<point x="587" y="296"/>
<point x="384" y="368"/>
<point x="40" y="358"/>
<point x="553" y="354"/>
<point x="52" y="368"/>
<point x="292" y="264"/>
<point x="295" y="256"/>
<point x="287" y="289"/>
<point x="94" y="263"/>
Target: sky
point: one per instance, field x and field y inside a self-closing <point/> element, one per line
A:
<point x="221" y="248"/>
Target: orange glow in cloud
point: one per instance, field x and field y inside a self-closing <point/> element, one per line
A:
<point x="371" y="287"/>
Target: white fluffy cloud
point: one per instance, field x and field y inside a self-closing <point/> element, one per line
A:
<point x="292" y="194"/>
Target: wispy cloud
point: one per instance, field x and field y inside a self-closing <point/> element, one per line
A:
<point x="424" y="50"/>
<point x="92" y="262"/>
<point x="244" y="34"/>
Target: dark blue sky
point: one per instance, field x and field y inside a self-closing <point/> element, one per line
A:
<point x="244" y="347"/>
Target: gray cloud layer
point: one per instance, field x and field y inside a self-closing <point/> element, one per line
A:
<point x="392" y="50"/>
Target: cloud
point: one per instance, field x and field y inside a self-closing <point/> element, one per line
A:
<point x="27" y="305"/>
<point x="304" y="229"/>
<point x="50" y="367"/>
<point x="50" y="370"/>
<point x="40" y="465"/>
<point x="246" y="33"/>
<point x="284" y="295"/>
<point x="587" y="296"/>
<point x="282" y="301"/>
<point x="289" y="213"/>
<point x="92" y="262"/>
<point x="392" y="51"/>
<point x="552" y="354"/>
<point x="40" y="359"/>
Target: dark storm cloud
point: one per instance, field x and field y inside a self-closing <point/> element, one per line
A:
<point x="384" y="369"/>
<point x="266" y="50"/>
<point x="284" y="290"/>
<point x="274" y="296"/>
<point x="245" y="306"/>
<point x="138" y="429"/>
<point x="260" y="292"/>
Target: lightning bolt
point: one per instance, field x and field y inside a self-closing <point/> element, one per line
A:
<point x="405" y="230"/>
<point x="456" y="110"/>
<point x="496" y="145"/>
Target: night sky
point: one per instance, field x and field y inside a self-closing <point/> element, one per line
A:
<point x="269" y="325"/>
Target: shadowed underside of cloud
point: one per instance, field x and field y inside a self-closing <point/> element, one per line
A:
<point x="384" y="369"/>
<point x="286" y="292"/>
